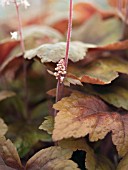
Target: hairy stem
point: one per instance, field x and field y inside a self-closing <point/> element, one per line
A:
<point x="59" y="84"/>
<point x="24" y="64"/>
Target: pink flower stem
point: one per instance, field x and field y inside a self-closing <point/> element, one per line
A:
<point x="24" y="64"/>
<point x="120" y="5"/>
<point x="59" y="88"/>
<point x="69" y="33"/>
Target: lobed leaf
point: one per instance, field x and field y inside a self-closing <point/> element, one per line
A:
<point x="10" y="155"/>
<point x="102" y="71"/>
<point x="55" y="52"/>
<point x="112" y="94"/>
<point x="51" y="158"/>
<point x="93" y="161"/>
<point x="48" y="124"/>
<point x="80" y="115"/>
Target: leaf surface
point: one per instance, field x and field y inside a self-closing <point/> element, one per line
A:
<point x="5" y="48"/>
<point x="25" y="137"/>
<point x="81" y="114"/>
<point x="112" y="94"/>
<point x="55" y="52"/>
<point x="48" y="124"/>
<point x="3" y="128"/>
<point x="6" y="94"/>
<point x="100" y="32"/>
<point x="84" y="11"/>
<point x="3" y="166"/>
<point x="102" y="71"/>
<point x="92" y="160"/>
<point x="123" y="164"/>
<point x="10" y="155"/>
<point x="51" y="158"/>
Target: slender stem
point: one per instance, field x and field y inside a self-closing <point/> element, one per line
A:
<point x="60" y="85"/>
<point x="69" y="33"/>
<point x="120" y="5"/>
<point x="58" y="90"/>
<point x="20" y="28"/>
<point x="24" y="63"/>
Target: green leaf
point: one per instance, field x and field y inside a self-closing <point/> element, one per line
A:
<point x="48" y="124"/>
<point x="25" y="136"/>
<point x="35" y="35"/>
<point x="99" y="31"/>
<point x="112" y="94"/>
<point x="54" y="52"/>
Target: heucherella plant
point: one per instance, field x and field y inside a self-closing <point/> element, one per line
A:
<point x="83" y="124"/>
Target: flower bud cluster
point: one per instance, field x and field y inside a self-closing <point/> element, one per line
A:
<point x="60" y="70"/>
<point x="25" y="3"/>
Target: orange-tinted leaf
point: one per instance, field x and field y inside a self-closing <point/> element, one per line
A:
<point x="5" y="49"/>
<point x="92" y="160"/>
<point x="33" y="36"/>
<point x="85" y="11"/>
<point x="121" y="45"/>
<point x="102" y="71"/>
<point x="115" y="3"/>
<point x="66" y="92"/>
<point x="53" y="158"/>
<point x="58" y="21"/>
<point x="80" y="115"/>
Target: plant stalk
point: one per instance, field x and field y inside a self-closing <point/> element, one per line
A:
<point x="24" y="62"/>
<point x="60" y="86"/>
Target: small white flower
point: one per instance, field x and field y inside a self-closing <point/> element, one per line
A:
<point x="14" y="35"/>
<point x="5" y="2"/>
<point x="25" y="3"/>
<point x="61" y="70"/>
